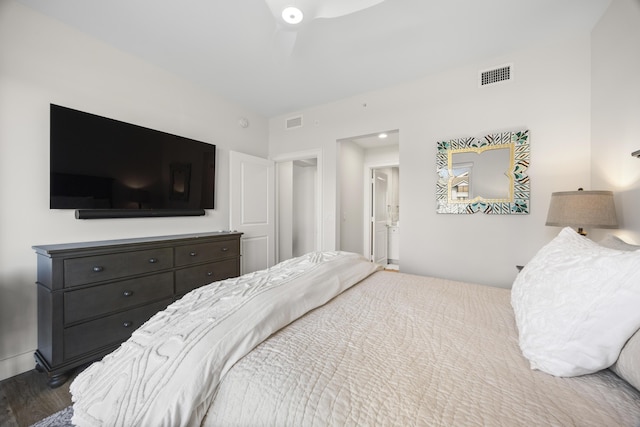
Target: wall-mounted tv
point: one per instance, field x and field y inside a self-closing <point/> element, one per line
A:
<point x="105" y="168"/>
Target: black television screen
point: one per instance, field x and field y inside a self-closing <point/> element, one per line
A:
<point x="106" y="166"/>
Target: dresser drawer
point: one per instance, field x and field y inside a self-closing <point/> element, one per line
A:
<point x="190" y="278"/>
<point x="109" y="330"/>
<point x="93" y="295"/>
<point x="80" y="271"/>
<point x="206" y="252"/>
<point x="104" y="299"/>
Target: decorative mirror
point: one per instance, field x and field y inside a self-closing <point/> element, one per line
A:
<point x="484" y="175"/>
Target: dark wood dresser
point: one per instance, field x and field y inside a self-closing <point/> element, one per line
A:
<point x="93" y="295"/>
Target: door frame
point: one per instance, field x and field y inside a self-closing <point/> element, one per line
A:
<point x="303" y="155"/>
<point x="367" y="243"/>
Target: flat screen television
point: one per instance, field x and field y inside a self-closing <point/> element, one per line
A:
<point x="105" y="168"/>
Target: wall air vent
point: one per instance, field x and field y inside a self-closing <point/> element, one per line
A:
<point x="495" y="75"/>
<point x="293" y="122"/>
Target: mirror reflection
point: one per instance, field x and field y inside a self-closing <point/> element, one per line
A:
<point x="481" y="174"/>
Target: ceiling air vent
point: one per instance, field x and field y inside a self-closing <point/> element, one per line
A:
<point x="293" y="122"/>
<point x="496" y="75"/>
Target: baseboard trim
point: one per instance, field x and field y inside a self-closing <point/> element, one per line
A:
<point x="15" y="365"/>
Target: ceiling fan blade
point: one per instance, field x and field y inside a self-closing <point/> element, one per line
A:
<point x="313" y="9"/>
<point x="308" y="8"/>
<point x="336" y="8"/>
<point x="286" y="33"/>
<point x="276" y="6"/>
<point x="284" y="41"/>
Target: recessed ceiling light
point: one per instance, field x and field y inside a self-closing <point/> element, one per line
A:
<point x="382" y="135"/>
<point x="292" y="15"/>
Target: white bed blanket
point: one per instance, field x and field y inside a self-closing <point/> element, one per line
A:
<point x="404" y="350"/>
<point x="167" y="373"/>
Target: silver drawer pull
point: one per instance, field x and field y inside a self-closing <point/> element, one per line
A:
<point x="153" y="260"/>
<point x="98" y="269"/>
<point x="224" y="249"/>
<point x="194" y="253"/>
<point x="127" y="293"/>
<point x="209" y="273"/>
<point x="127" y="324"/>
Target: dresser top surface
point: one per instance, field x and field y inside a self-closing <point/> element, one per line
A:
<point x="171" y="239"/>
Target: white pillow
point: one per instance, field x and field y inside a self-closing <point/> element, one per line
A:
<point x="576" y="304"/>
<point x="628" y="364"/>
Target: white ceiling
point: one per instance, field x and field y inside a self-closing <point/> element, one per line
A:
<point x="375" y="141"/>
<point x="229" y="46"/>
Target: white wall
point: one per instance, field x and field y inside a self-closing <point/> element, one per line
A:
<point x="550" y="96"/>
<point x="615" y="114"/>
<point x="382" y="156"/>
<point x="395" y="194"/>
<point x="304" y="209"/>
<point x="351" y="196"/>
<point x="42" y="62"/>
<point x="284" y="195"/>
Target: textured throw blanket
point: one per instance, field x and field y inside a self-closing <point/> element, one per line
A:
<point x="167" y="373"/>
<point x="403" y="350"/>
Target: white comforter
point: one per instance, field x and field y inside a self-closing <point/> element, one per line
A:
<point x="167" y="373"/>
<point x="404" y="350"/>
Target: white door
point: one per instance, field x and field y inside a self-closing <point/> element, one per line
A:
<point x="379" y="217"/>
<point x="252" y="210"/>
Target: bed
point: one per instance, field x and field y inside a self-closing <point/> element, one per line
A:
<point x="330" y="339"/>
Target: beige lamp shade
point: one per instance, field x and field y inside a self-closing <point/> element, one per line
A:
<point x="589" y="209"/>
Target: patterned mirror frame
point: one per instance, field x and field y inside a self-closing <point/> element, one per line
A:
<point x="519" y="193"/>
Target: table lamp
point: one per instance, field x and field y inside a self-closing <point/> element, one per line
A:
<point x="590" y="209"/>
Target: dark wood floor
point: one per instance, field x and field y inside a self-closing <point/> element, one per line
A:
<point x="26" y="398"/>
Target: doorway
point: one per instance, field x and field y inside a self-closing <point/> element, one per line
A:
<point x="369" y="214"/>
<point x="379" y="214"/>
<point x="298" y="206"/>
<point x="384" y="208"/>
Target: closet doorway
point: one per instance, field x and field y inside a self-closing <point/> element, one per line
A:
<point x="298" y="206"/>
<point x="368" y="200"/>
